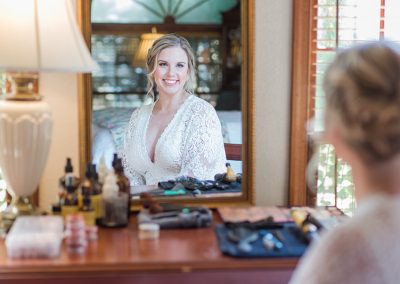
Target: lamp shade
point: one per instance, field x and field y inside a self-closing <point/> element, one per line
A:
<point x="42" y="35"/>
<point x="146" y="41"/>
<point x="35" y="36"/>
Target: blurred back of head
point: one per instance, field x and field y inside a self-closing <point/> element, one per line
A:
<point x="362" y="88"/>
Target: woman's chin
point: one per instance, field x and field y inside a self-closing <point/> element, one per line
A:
<point x="171" y="91"/>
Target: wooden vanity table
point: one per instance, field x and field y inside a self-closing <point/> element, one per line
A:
<point x="118" y="256"/>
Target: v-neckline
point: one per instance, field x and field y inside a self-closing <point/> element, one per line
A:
<point x="165" y="130"/>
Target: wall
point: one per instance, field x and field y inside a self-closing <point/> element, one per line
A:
<point x="272" y="104"/>
<point x="60" y="91"/>
<point x="273" y="85"/>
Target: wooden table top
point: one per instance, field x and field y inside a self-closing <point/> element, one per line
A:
<point x="120" y="250"/>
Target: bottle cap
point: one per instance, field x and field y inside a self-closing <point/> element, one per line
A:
<point x="56" y="208"/>
<point x="115" y="157"/>
<point x="88" y="172"/>
<point x="68" y="167"/>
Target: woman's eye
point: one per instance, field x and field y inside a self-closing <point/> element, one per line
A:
<point x="181" y="65"/>
<point x="162" y="64"/>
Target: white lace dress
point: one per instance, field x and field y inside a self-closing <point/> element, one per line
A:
<point x="191" y="144"/>
<point x="366" y="249"/>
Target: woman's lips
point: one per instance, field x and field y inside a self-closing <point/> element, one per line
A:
<point x="170" y="82"/>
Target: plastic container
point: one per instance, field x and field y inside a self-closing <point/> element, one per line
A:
<point x="35" y="237"/>
<point x="149" y="231"/>
<point x="116" y="211"/>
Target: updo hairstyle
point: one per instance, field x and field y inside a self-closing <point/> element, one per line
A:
<point x="362" y="88"/>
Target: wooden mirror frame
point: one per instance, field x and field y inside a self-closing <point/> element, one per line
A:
<point x="247" y="101"/>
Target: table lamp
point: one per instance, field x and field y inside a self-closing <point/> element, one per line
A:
<point x="36" y="36"/>
<point x="146" y="41"/>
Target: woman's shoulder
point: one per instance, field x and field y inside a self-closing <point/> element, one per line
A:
<point x="199" y="105"/>
<point x="376" y="214"/>
<point x="368" y="237"/>
<point x="142" y="110"/>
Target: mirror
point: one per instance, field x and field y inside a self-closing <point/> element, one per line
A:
<point x="224" y="54"/>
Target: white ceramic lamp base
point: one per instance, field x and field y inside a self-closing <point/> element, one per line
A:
<point x="25" y="135"/>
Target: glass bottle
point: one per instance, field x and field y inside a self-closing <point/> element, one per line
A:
<point x="68" y="197"/>
<point x="92" y="188"/>
<point x="69" y="204"/>
<point x="87" y="211"/>
<point x="97" y="198"/>
<point x="123" y="182"/>
<point x="115" y="203"/>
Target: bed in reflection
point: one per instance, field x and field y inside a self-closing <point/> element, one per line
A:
<point x="108" y="126"/>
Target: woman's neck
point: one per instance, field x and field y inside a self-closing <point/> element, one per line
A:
<point x="167" y="103"/>
<point x="378" y="179"/>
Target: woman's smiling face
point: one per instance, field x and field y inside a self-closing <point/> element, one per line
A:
<point x="171" y="72"/>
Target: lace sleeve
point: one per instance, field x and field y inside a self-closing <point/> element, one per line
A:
<point x="204" y="153"/>
<point x="134" y="177"/>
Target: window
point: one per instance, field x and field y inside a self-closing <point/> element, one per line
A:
<point x="320" y="28"/>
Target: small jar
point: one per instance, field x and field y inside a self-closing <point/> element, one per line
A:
<point x="115" y="210"/>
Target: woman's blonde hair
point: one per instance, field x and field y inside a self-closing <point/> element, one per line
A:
<point x="169" y="40"/>
<point x="362" y="88"/>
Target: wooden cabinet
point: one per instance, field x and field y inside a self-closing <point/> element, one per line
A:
<point x="179" y="256"/>
<point x="217" y="50"/>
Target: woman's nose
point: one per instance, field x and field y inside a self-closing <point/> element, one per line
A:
<point x="171" y="70"/>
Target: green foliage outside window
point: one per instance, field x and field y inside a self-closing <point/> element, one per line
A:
<point x="335" y="182"/>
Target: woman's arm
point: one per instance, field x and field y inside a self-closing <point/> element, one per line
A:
<point x="134" y="177"/>
<point x="204" y="153"/>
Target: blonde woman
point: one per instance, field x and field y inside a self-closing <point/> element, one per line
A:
<point x="362" y="121"/>
<point x="179" y="133"/>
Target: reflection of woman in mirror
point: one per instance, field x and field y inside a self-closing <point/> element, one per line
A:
<point x="179" y="133"/>
<point x="362" y="122"/>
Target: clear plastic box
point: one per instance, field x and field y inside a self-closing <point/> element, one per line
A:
<point x="35" y="237"/>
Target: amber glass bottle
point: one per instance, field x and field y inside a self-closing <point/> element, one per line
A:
<point x="122" y="181"/>
<point x="92" y="188"/>
<point x="87" y="211"/>
<point x="69" y="204"/>
<point x="68" y="198"/>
